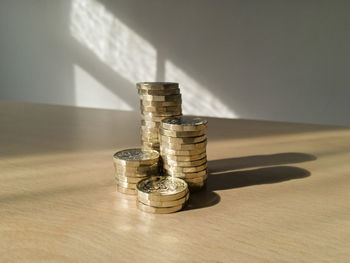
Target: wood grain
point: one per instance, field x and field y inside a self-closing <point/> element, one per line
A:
<point x="277" y="192"/>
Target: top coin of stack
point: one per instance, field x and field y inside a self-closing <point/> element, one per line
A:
<point x="158" y="100"/>
<point x="183" y="144"/>
<point x="132" y="166"/>
<point x="162" y="194"/>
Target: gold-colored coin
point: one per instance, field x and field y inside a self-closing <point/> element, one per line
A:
<point x="172" y="163"/>
<point x="151" y="130"/>
<point x="183" y="140"/>
<point x="158" y="92"/>
<point x="135" y="157"/>
<point x="184" y="158"/>
<point x="161" y="187"/>
<point x="162" y="198"/>
<point x="126" y="190"/>
<point x="162" y="114"/>
<point x="130" y="180"/>
<point x="196" y="186"/>
<point x="158" y="210"/>
<point x="146" y="147"/>
<point x="149" y="140"/>
<point x="181" y="133"/>
<point x="150" y="134"/>
<point x="199" y="174"/>
<point x="160" y="109"/>
<point x="126" y="184"/>
<point x="136" y="169"/>
<point x="135" y="174"/>
<point x="184" y="147"/>
<point x="154" y="118"/>
<point x="147" y="103"/>
<point x="150" y="124"/>
<point x="177" y="169"/>
<point x="157" y="85"/>
<point x="176" y="97"/>
<point x="172" y="203"/>
<point x="197" y="180"/>
<point x="167" y="151"/>
<point x="150" y="144"/>
<point x="184" y="123"/>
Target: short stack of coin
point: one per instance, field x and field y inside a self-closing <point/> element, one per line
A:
<point x="132" y="166"/>
<point x="162" y="194"/>
<point x="183" y="144"/>
<point x="158" y="100"/>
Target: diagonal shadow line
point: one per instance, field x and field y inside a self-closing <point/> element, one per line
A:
<point x="223" y="165"/>
<point x="223" y="175"/>
<point x="104" y="74"/>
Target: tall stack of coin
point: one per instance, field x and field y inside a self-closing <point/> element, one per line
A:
<point x="162" y="195"/>
<point x="158" y="100"/>
<point x="132" y="166"/>
<point x="183" y="144"/>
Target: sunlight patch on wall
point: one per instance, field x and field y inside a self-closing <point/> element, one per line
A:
<point x="196" y="99"/>
<point x="90" y="93"/>
<point x="113" y="42"/>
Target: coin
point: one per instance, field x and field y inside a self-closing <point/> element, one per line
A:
<point x="184" y="158"/>
<point x="156" y="118"/>
<point x="177" y="169"/>
<point x="136" y="157"/>
<point x="126" y="184"/>
<point x="167" y="151"/>
<point x="158" y="210"/>
<point x="161" y="186"/>
<point x="158" y="92"/>
<point x="181" y="133"/>
<point x="184" y="123"/>
<point x="186" y="175"/>
<point x="147" y="140"/>
<point x="162" y="114"/>
<point x="184" y="164"/>
<point x="183" y="140"/>
<point x="147" y="103"/>
<point x="160" y="109"/>
<point x="150" y="124"/>
<point x="172" y="203"/>
<point x="196" y="186"/>
<point x="152" y="172"/>
<point x="127" y="179"/>
<point x="137" y="169"/>
<point x="197" y="180"/>
<point x="157" y="85"/>
<point x="147" y="129"/>
<point x="184" y="147"/>
<point x="127" y="191"/>
<point x="175" y="97"/>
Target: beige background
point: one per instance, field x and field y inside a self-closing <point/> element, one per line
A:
<point x="275" y="60"/>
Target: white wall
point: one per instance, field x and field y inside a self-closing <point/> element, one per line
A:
<point x="274" y="60"/>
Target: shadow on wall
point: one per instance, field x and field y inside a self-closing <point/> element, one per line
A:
<point x="225" y="174"/>
<point x="257" y="59"/>
<point x="247" y="60"/>
<point x="134" y="59"/>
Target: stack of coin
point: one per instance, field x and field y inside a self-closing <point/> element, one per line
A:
<point x="132" y="166"/>
<point x="158" y="100"/>
<point x="162" y="194"/>
<point x="183" y="144"/>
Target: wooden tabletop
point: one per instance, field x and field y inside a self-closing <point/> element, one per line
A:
<point x="277" y="192"/>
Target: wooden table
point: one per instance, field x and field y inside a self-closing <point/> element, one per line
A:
<point x="277" y="192"/>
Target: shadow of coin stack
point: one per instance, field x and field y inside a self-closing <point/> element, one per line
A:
<point x="183" y="144"/>
<point x="158" y="100"/>
<point x="132" y="166"/>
